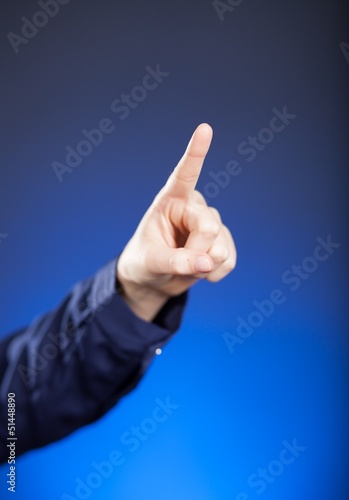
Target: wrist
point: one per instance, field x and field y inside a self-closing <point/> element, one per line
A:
<point x="145" y="302"/>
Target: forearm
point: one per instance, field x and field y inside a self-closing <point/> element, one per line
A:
<point x="73" y="364"/>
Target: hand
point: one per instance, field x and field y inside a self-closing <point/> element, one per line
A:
<point x="179" y="240"/>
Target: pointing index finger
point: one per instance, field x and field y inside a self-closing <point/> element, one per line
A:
<point x="183" y="179"/>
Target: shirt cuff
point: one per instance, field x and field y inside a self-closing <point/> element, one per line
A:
<point x="111" y="312"/>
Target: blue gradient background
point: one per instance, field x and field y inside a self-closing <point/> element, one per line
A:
<point x="289" y="379"/>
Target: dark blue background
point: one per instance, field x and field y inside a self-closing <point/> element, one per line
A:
<point x="288" y="380"/>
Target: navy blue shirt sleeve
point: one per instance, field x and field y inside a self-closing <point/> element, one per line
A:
<point x="72" y="365"/>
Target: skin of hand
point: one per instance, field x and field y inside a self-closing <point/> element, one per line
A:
<point x="179" y="240"/>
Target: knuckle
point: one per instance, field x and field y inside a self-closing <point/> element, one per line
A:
<point x="209" y="227"/>
<point x="198" y="198"/>
<point x="213" y="278"/>
<point x="219" y="253"/>
<point x="215" y="213"/>
<point x="184" y="176"/>
<point x="173" y="265"/>
<point x="187" y="179"/>
<point x="230" y="264"/>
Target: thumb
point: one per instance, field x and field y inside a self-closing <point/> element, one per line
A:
<point x="181" y="262"/>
